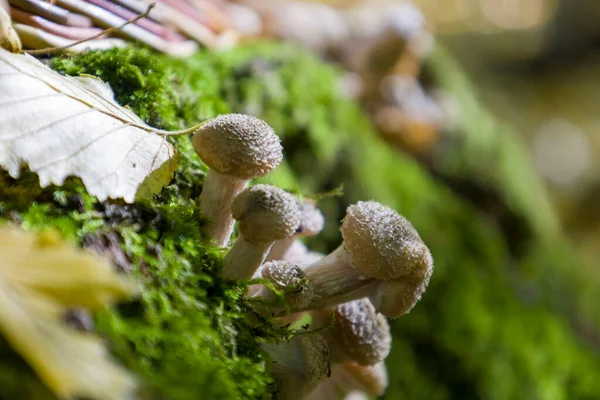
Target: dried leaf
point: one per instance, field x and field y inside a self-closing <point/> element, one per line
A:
<point x="39" y="275"/>
<point x="63" y="126"/>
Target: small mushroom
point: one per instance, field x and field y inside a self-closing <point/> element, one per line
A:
<point x="382" y="257"/>
<point x="359" y="334"/>
<point x="265" y="214"/>
<point x="288" y="279"/>
<point x="237" y="148"/>
<point x="358" y="339"/>
<point x="290" y="249"/>
<point x="299" y="364"/>
<point x="379" y="246"/>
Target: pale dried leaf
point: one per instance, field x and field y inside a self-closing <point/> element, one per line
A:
<point x="32" y="298"/>
<point x="63" y="126"/>
<point x="72" y="278"/>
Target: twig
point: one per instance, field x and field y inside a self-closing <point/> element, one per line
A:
<point x="104" y="32"/>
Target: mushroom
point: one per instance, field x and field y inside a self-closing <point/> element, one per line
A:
<point x="359" y="334"/>
<point x="265" y="214"/>
<point x="382" y="257"/>
<point x="359" y="338"/>
<point x="290" y="249"/>
<point x="286" y="278"/>
<point x="299" y="364"/>
<point x="237" y="148"/>
<point x="379" y="246"/>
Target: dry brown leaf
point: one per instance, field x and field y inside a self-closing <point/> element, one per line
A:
<point x="64" y="126"/>
<point x="39" y="276"/>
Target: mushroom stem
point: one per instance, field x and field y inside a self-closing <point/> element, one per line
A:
<point x="243" y="258"/>
<point x="335" y="280"/>
<point x="300" y="364"/>
<point x="215" y="202"/>
<point x="280" y="248"/>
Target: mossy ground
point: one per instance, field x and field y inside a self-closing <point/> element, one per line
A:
<point x="492" y="325"/>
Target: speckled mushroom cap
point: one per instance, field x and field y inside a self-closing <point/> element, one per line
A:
<point x="360" y="332"/>
<point x="312" y="219"/>
<point x="238" y="145"/>
<point x="289" y="278"/>
<point x="265" y="214"/>
<point x="372" y="379"/>
<point x="382" y="243"/>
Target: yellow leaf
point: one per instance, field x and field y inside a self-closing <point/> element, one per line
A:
<point x="39" y="276"/>
<point x="72" y="278"/>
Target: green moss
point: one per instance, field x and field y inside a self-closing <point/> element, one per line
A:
<point x="492" y="325"/>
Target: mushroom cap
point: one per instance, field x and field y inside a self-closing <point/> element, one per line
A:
<point x="265" y="214"/>
<point x="359" y="334"/>
<point x="290" y="279"/>
<point x="382" y="243"/>
<point x="238" y="145"/>
<point x="312" y="219"/>
<point x="396" y="298"/>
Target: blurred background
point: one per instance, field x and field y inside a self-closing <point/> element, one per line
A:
<point x="536" y="65"/>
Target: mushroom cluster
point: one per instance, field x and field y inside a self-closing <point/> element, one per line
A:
<point x="380" y="270"/>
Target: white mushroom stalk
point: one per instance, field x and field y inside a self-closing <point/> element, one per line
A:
<point x="292" y="250"/>
<point x="379" y="247"/>
<point x="236" y="148"/>
<point x="299" y="364"/>
<point x="265" y="214"/>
